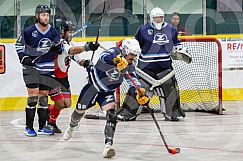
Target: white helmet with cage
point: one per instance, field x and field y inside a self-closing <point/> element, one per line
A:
<point x="156" y="12"/>
<point x="129" y="45"/>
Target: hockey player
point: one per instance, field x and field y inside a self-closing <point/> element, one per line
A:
<point x="32" y="48"/>
<point x="61" y="94"/>
<point x="103" y="79"/>
<point x="157" y="39"/>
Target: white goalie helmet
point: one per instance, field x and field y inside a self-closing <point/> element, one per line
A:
<point x="129" y="45"/>
<point x="156" y="12"/>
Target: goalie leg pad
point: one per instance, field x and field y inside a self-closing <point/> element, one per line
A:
<point x="110" y="127"/>
<point x="171" y="95"/>
<point x="172" y="99"/>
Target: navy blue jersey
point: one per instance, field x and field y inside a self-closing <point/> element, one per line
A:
<point x="156" y="46"/>
<point x="105" y="76"/>
<point x="33" y="42"/>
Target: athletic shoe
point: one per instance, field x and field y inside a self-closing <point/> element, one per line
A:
<point x="109" y="151"/>
<point x="68" y="133"/>
<point x="45" y="131"/>
<point x="29" y="132"/>
<point x="54" y="128"/>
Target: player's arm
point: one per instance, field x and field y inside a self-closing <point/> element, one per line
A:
<point x="139" y="38"/>
<point x="20" y="49"/>
<point x="89" y="46"/>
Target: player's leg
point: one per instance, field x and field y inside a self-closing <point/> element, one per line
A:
<point x="171" y="97"/>
<point x="107" y="102"/>
<point x="42" y="110"/>
<point x="31" y="80"/>
<point x="86" y="100"/>
<point x="61" y="95"/>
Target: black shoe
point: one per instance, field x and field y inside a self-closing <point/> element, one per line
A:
<point x="54" y="127"/>
<point x="126" y="115"/>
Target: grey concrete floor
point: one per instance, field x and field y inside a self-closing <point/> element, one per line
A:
<point x="201" y="137"/>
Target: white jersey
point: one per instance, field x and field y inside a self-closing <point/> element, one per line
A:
<point x="62" y="62"/>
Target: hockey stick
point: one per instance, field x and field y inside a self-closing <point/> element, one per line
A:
<point x="170" y="150"/>
<point x="76" y="32"/>
<point x="153" y="81"/>
<point x="98" y="32"/>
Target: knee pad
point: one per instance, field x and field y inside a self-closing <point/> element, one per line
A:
<point x="43" y="101"/>
<point x="32" y="101"/>
<point x="111" y="116"/>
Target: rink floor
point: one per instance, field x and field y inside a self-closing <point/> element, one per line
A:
<point x="201" y="137"/>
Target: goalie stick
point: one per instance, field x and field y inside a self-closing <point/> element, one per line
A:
<point x="170" y="150"/>
<point x="153" y="81"/>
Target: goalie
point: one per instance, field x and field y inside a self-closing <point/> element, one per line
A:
<point x="157" y="39"/>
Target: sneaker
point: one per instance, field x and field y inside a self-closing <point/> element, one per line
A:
<point x="45" y="131"/>
<point x="109" y="151"/>
<point x="68" y="133"/>
<point x="29" y="132"/>
<point x="54" y="128"/>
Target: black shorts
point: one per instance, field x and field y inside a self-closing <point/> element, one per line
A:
<point x="89" y="96"/>
<point x="33" y="78"/>
<point x="60" y="89"/>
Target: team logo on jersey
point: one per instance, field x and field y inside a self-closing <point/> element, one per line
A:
<point x="160" y="39"/>
<point x="35" y="33"/>
<point x="44" y="45"/>
<point x="150" y="31"/>
<point x="113" y="74"/>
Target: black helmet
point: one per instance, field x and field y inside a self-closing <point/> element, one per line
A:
<point x="42" y="9"/>
<point x="67" y="26"/>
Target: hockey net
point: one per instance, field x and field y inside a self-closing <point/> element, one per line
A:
<point x="200" y="82"/>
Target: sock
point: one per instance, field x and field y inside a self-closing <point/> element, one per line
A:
<point x="42" y="114"/>
<point x="54" y="113"/>
<point x="75" y="118"/>
<point x="30" y="115"/>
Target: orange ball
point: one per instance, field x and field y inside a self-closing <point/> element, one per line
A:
<point x="173" y="150"/>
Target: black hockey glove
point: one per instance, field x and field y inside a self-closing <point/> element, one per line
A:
<point x="90" y="46"/>
<point x="56" y="48"/>
<point x="88" y="64"/>
<point x="28" y="61"/>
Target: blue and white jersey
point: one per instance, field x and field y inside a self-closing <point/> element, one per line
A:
<point x="33" y="42"/>
<point x="105" y="76"/>
<point x="156" y="46"/>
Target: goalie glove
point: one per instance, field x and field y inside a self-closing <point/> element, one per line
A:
<point x="120" y="62"/>
<point x="181" y="53"/>
<point x="142" y="99"/>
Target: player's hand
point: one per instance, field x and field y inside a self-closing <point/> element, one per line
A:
<point x="90" y="46"/>
<point x="142" y="99"/>
<point x="56" y="47"/>
<point x="27" y="61"/>
<point x="120" y="62"/>
<point x="88" y="64"/>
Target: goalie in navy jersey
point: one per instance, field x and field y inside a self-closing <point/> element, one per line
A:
<point x="103" y="78"/>
<point x="33" y="49"/>
<point x="67" y="51"/>
<point x="157" y="39"/>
